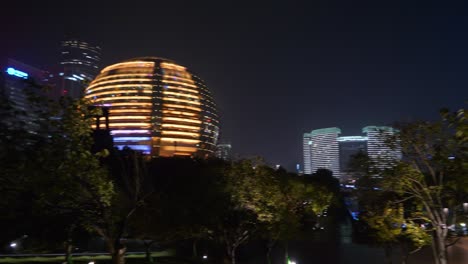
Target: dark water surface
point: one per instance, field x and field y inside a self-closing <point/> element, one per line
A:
<point x="335" y="245"/>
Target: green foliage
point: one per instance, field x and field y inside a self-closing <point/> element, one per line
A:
<point x="49" y="171"/>
<point x="430" y="181"/>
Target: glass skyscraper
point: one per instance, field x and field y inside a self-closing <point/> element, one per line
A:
<point x="80" y="65"/>
<point x="157" y="106"/>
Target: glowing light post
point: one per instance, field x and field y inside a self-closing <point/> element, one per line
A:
<point x="16" y="244"/>
<point x="291" y="261"/>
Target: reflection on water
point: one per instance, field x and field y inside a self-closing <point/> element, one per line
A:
<point x="335" y="245"/>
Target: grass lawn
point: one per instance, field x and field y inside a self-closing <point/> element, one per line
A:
<point x="79" y="259"/>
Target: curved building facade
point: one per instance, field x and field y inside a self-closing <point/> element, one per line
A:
<point x="158" y="107"/>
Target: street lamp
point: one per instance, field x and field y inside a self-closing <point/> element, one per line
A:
<point x="446" y="211"/>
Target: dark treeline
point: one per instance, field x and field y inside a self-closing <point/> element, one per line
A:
<point x="58" y="195"/>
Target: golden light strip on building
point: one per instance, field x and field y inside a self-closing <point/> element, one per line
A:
<point x="117" y="76"/>
<point x="180" y="140"/>
<point x="122" y="91"/>
<point x="181" y="126"/>
<point x="182" y="89"/>
<point x="120" y="80"/>
<point x="182" y="153"/>
<point x="131" y="104"/>
<point x="112" y="111"/>
<point x="181" y="100"/>
<point x="181" y="83"/>
<point x="182" y="106"/>
<point x="129" y="117"/>
<point x="136" y="97"/>
<point x="182" y="120"/>
<point x="168" y="77"/>
<point x="166" y="65"/>
<point x="171" y="132"/>
<point x="179" y="113"/>
<point x="116" y="86"/>
<point x="181" y="94"/>
<point x="129" y="64"/>
<point x="114" y="124"/>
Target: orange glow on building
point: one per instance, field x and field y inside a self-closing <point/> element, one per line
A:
<point x="158" y="107"/>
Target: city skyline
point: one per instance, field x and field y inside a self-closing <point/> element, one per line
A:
<point x="276" y="69"/>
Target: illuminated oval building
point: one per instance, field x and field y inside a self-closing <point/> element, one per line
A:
<point x="158" y="107"/>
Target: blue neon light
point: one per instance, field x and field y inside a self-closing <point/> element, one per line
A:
<point x="355" y="215"/>
<point x="144" y="148"/>
<point x="17" y="73"/>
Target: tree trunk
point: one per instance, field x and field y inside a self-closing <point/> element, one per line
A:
<point x="270" y="245"/>
<point x="69" y="245"/>
<point x="438" y="245"/>
<point x="286" y="252"/>
<point x="119" y="256"/>
<point x="230" y="257"/>
<point x="404" y="254"/>
<point x="388" y="254"/>
<point x="194" y="248"/>
<point x="233" y="256"/>
<point x="68" y="251"/>
<point x="117" y="251"/>
<point x="404" y="258"/>
<point x="149" y="259"/>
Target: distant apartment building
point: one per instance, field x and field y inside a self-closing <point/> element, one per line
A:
<point x="378" y="147"/>
<point x="321" y="150"/>
<point x="224" y="151"/>
<point x="325" y="149"/>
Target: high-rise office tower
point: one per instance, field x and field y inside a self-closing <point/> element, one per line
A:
<point x="350" y="146"/>
<point x="157" y="106"/>
<point x="80" y="62"/>
<point x="19" y="80"/>
<point x="323" y="149"/>
<point x="223" y="151"/>
<point x="378" y="148"/>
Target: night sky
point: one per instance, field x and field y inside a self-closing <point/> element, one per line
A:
<point x="277" y="69"/>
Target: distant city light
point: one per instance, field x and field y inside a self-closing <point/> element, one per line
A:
<point x="205" y="256"/>
<point x="13" y="245"/>
<point x="17" y="73"/>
